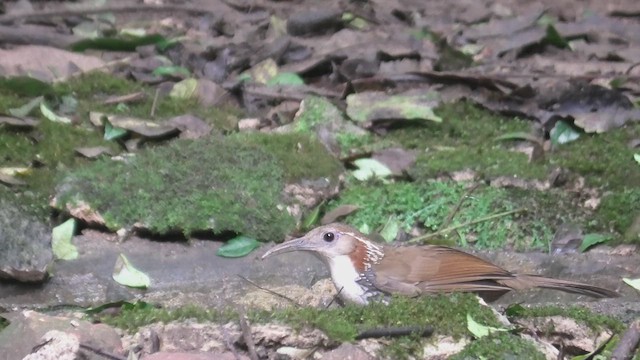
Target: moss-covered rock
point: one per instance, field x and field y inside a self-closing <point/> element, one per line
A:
<point x="446" y="314"/>
<point x="54" y="149"/>
<point x="430" y="204"/>
<point x="25" y="245"/>
<point x="465" y="140"/>
<point x="617" y="212"/>
<point x="301" y="156"/>
<point x="320" y="117"/>
<point x="500" y="346"/>
<point x="579" y="313"/>
<point x="92" y="88"/>
<point x="605" y="160"/>
<point x="52" y="145"/>
<point x="230" y="183"/>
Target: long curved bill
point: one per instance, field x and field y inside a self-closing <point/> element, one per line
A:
<point x="299" y="244"/>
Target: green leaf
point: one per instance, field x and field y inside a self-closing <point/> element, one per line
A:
<point x="369" y="168"/>
<point x="563" y="133"/>
<point x="478" y="330"/>
<point x="518" y="135"/>
<point x="312" y="218"/>
<point x="618" y="82"/>
<point x="117" y="44"/>
<point x="185" y="89"/>
<point x="374" y="105"/>
<point x="125" y="274"/>
<point x="590" y="240"/>
<point x="238" y="247"/>
<point x="111" y="132"/>
<point x="546" y="20"/>
<point x="634" y="283"/>
<point x="47" y="113"/>
<point x="390" y="230"/>
<point x="554" y="38"/>
<point x="175" y="71"/>
<point x="605" y="347"/>
<point x="286" y="78"/>
<point x="25" y="86"/>
<point x="637" y="158"/>
<point x="27" y="108"/>
<point x="133" y="32"/>
<point x="244" y="77"/>
<point x="61" y="244"/>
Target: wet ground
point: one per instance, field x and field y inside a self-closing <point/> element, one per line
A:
<point x="190" y="273"/>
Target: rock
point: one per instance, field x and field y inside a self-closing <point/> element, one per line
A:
<point x="28" y="328"/>
<point x="188" y="336"/>
<point x="165" y="355"/>
<point x="190" y="126"/>
<point x="249" y="124"/>
<point x="347" y="352"/>
<point x="312" y="21"/>
<point x="25" y="245"/>
<point x="56" y="345"/>
<point x="567" y="332"/>
<point x="444" y="347"/>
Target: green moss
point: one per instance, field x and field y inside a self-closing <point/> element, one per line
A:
<point x="53" y="144"/>
<point x="301" y="155"/>
<point x="316" y="111"/>
<point x="605" y="160"/>
<point x="488" y="162"/>
<point x="463" y="124"/>
<point x="218" y="184"/>
<point x="464" y="140"/>
<point x="429" y="205"/>
<point x="500" y="346"/>
<point x="90" y="89"/>
<point x="353" y="141"/>
<point x="133" y="316"/>
<point x="54" y="147"/>
<point x="582" y="314"/>
<point x="617" y="211"/>
<point x="447" y="314"/>
<point x="97" y="83"/>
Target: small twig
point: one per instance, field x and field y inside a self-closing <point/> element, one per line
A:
<point x="455" y="210"/>
<point x="227" y="342"/>
<point x="423" y="331"/>
<point x="334" y="298"/>
<point x="246" y="334"/>
<point x="469" y="223"/>
<point x="143" y="9"/>
<point x="270" y="291"/>
<point x="628" y="343"/>
<point x="633" y="66"/>
<point x="101" y="353"/>
<point x="155" y="102"/>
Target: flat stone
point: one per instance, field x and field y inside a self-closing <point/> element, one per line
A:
<point x="25" y="245"/>
<point x="347" y="352"/>
<point x="27" y="329"/>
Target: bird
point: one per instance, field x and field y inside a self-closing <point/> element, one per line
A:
<point x="364" y="271"/>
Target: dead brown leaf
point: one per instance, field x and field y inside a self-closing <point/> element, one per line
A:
<point x="338" y="213"/>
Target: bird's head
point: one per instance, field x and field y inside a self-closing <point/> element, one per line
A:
<point x="332" y="241"/>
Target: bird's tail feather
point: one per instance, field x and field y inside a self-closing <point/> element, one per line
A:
<point x="528" y="281"/>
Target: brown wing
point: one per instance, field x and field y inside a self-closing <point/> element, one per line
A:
<point x="437" y="269"/>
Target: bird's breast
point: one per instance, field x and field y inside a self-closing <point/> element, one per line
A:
<point x="352" y="286"/>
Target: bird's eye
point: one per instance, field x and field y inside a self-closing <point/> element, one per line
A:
<point x="328" y="237"/>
